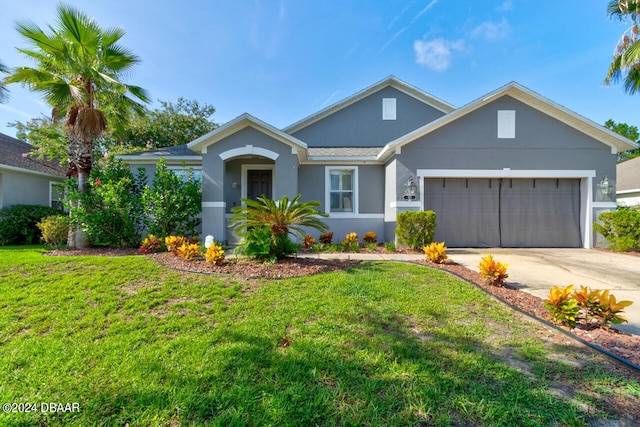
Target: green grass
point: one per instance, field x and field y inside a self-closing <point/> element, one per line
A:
<point x="380" y="344"/>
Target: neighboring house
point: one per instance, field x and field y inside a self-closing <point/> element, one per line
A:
<point x="510" y="169"/>
<point x="26" y="180"/>
<point x="628" y="187"/>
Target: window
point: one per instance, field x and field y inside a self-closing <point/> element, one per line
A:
<point x="506" y="124"/>
<point x="388" y="108"/>
<point x="182" y="172"/>
<point x="341" y="194"/>
<point x="55" y="195"/>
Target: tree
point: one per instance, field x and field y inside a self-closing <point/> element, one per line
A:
<point x="625" y="65"/>
<point x="47" y="137"/>
<point x="3" y="90"/>
<point x="79" y="69"/>
<point x="173" y="124"/>
<point x="629" y="132"/>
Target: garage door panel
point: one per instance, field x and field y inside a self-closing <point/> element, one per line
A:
<point x="540" y="213"/>
<point x="466" y="209"/>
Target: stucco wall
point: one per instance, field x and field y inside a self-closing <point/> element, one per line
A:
<point x="361" y="124"/>
<point x="20" y="188"/>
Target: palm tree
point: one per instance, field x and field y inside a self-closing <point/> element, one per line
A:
<point x="3" y="90"/>
<point x="79" y="69"/>
<point x="278" y="218"/>
<point x="625" y="65"/>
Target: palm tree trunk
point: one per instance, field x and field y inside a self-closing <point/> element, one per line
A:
<point x="80" y="154"/>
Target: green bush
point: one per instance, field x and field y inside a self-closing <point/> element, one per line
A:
<point x="110" y="211"/>
<point x="621" y="228"/>
<point x="416" y="229"/>
<point x="54" y="229"/>
<point x="18" y="223"/>
<point x="172" y="203"/>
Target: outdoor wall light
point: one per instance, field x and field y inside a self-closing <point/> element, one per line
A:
<point x="605" y="186"/>
<point x="410" y="189"/>
<point x="234" y="185"/>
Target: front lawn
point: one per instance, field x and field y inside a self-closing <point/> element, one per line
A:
<point x="131" y="341"/>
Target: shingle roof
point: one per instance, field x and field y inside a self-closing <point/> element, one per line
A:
<point x="11" y="154"/>
<point x="178" y="150"/>
<point x="628" y="175"/>
<point x="342" y="152"/>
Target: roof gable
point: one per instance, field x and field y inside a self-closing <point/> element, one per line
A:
<point x="12" y="152"/>
<point x="390" y="81"/>
<point x="532" y="99"/>
<point x="239" y="123"/>
<point x="628" y="175"/>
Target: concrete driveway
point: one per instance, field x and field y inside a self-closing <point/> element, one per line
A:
<point x="538" y="270"/>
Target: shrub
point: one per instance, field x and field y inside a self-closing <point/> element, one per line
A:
<point x="18" y="224"/>
<point x="326" y="238"/>
<point x="370" y="237"/>
<point x="416" y="229"/>
<point x="495" y="273"/>
<point x="562" y="308"/>
<point x="436" y="252"/>
<point x="173" y="243"/>
<point x="215" y="254"/>
<point x="279" y="218"/>
<point x="54" y="229"/>
<point x="172" y="203"/>
<point x="351" y="243"/>
<point x="621" y="228"/>
<point x="308" y="241"/>
<point x="110" y="212"/>
<point x="189" y="251"/>
<point x="150" y="244"/>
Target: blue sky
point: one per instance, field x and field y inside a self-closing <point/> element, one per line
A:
<point x="282" y="60"/>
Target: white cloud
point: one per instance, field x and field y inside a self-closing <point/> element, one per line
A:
<point x="492" y="31"/>
<point x="436" y="54"/>
<point x="505" y="6"/>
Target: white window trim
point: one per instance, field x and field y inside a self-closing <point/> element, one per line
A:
<point x="389" y="108"/>
<point x="184" y="169"/>
<point x="327" y="191"/>
<point x="244" y="171"/>
<point x="51" y="185"/>
<point x="506" y="124"/>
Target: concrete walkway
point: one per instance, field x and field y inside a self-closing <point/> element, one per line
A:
<point x="536" y="271"/>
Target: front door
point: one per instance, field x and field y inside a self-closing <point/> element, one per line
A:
<point x="259" y="183"/>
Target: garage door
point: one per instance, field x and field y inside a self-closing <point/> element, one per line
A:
<point x="505" y="212"/>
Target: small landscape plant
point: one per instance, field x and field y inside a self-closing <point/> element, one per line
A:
<point x="326" y="238"/>
<point x="390" y="247"/>
<point x="308" y="241"/>
<point x="173" y="243"/>
<point x="55" y="229"/>
<point x="189" y="251"/>
<point x="436" y="252"/>
<point x="150" y="244"/>
<point x="621" y="228"/>
<point x="494" y="272"/>
<point x="372" y="246"/>
<point x="18" y="223"/>
<point x="599" y="308"/>
<point x="215" y="254"/>
<point x="370" y="237"/>
<point x="351" y="242"/>
<point x="562" y="308"/>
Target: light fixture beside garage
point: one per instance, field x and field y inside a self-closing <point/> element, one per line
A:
<point x="605" y="186"/>
<point x="410" y="189"/>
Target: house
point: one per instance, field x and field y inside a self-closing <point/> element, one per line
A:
<point x="510" y="169"/>
<point x="628" y="188"/>
<point x="25" y="180"/>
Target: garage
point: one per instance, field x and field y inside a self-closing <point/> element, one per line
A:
<point x="505" y="212"/>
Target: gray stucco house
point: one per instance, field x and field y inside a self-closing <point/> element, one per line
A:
<point x="26" y="180"/>
<point x="628" y="188"/>
<point x="510" y="169"/>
